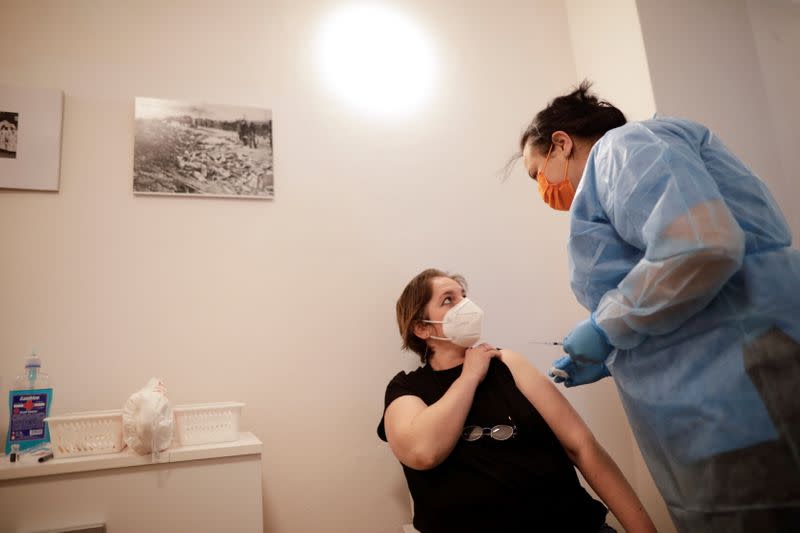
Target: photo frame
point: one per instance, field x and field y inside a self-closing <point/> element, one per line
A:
<point x="197" y="149"/>
<point x="30" y="138"/>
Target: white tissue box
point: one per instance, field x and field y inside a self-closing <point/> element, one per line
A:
<point x="207" y="423"/>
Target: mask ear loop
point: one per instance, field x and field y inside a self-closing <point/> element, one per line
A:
<point x="540" y="174"/>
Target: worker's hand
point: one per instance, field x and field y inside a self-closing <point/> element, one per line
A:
<point x="587" y="343"/>
<point x="567" y="371"/>
<point x="476" y="361"/>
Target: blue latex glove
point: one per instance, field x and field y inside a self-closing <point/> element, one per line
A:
<point x="587" y="343"/>
<point x="578" y="374"/>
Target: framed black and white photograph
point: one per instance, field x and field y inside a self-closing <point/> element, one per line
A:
<point x="30" y="138"/>
<point x="193" y="149"/>
<point x="9" y="124"/>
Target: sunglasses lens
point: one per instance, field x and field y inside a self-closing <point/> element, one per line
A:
<point x="472" y="433"/>
<point x="502" y="432"/>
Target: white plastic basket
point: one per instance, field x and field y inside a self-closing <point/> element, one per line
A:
<point x="207" y="423"/>
<point x="89" y="433"/>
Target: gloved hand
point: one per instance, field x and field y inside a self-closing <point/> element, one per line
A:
<point x="577" y="374"/>
<point x="587" y="343"/>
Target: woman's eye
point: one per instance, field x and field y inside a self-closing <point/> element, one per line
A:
<point x="447" y="300"/>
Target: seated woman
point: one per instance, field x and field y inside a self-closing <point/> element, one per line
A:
<point x="487" y="443"/>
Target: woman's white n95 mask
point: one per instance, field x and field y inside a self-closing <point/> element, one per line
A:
<point x="462" y="324"/>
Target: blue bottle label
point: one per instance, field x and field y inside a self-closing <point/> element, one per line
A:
<point x="27" y="410"/>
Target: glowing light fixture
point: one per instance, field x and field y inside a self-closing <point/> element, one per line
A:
<point x="376" y="59"/>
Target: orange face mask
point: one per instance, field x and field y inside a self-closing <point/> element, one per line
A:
<point x="560" y="195"/>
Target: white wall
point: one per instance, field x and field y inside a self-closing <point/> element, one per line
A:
<point x="609" y="50"/>
<point x="285" y="305"/>
<point x="776" y="31"/>
<point x="731" y="65"/>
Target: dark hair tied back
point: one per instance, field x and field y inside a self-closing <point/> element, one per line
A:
<point x="578" y="113"/>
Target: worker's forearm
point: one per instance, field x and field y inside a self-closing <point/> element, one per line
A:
<point x="683" y="270"/>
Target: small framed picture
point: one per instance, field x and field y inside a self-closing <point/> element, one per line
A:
<point x="197" y="149"/>
<point x="30" y="138"/>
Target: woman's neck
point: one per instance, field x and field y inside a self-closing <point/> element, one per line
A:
<point x="448" y="357"/>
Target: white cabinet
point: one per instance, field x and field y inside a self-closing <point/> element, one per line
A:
<point x="207" y="488"/>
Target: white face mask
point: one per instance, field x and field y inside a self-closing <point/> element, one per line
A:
<point x="462" y="324"/>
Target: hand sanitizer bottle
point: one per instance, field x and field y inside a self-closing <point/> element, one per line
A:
<point x="29" y="404"/>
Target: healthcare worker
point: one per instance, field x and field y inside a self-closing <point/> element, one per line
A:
<point x="683" y="259"/>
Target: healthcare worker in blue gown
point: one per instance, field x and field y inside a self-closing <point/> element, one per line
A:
<point x="683" y="259"/>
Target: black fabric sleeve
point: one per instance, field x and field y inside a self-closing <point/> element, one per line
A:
<point x="398" y="386"/>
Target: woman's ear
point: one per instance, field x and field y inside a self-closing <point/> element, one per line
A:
<point x="564" y="141"/>
<point x="421" y="330"/>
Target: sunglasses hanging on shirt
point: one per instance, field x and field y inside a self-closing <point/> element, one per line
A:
<point x="498" y="432"/>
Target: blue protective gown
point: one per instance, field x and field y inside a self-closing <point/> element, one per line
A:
<point x="685" y="259"/>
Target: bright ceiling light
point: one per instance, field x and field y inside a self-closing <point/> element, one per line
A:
<point x="376" y="59"/>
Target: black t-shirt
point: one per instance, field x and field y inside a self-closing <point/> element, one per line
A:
<point x="523" y="484"/>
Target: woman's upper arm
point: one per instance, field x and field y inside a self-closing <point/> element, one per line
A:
<point x="663" y="200"/>
<point x="398" y="418"/>
<point x="570" y="429"/>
